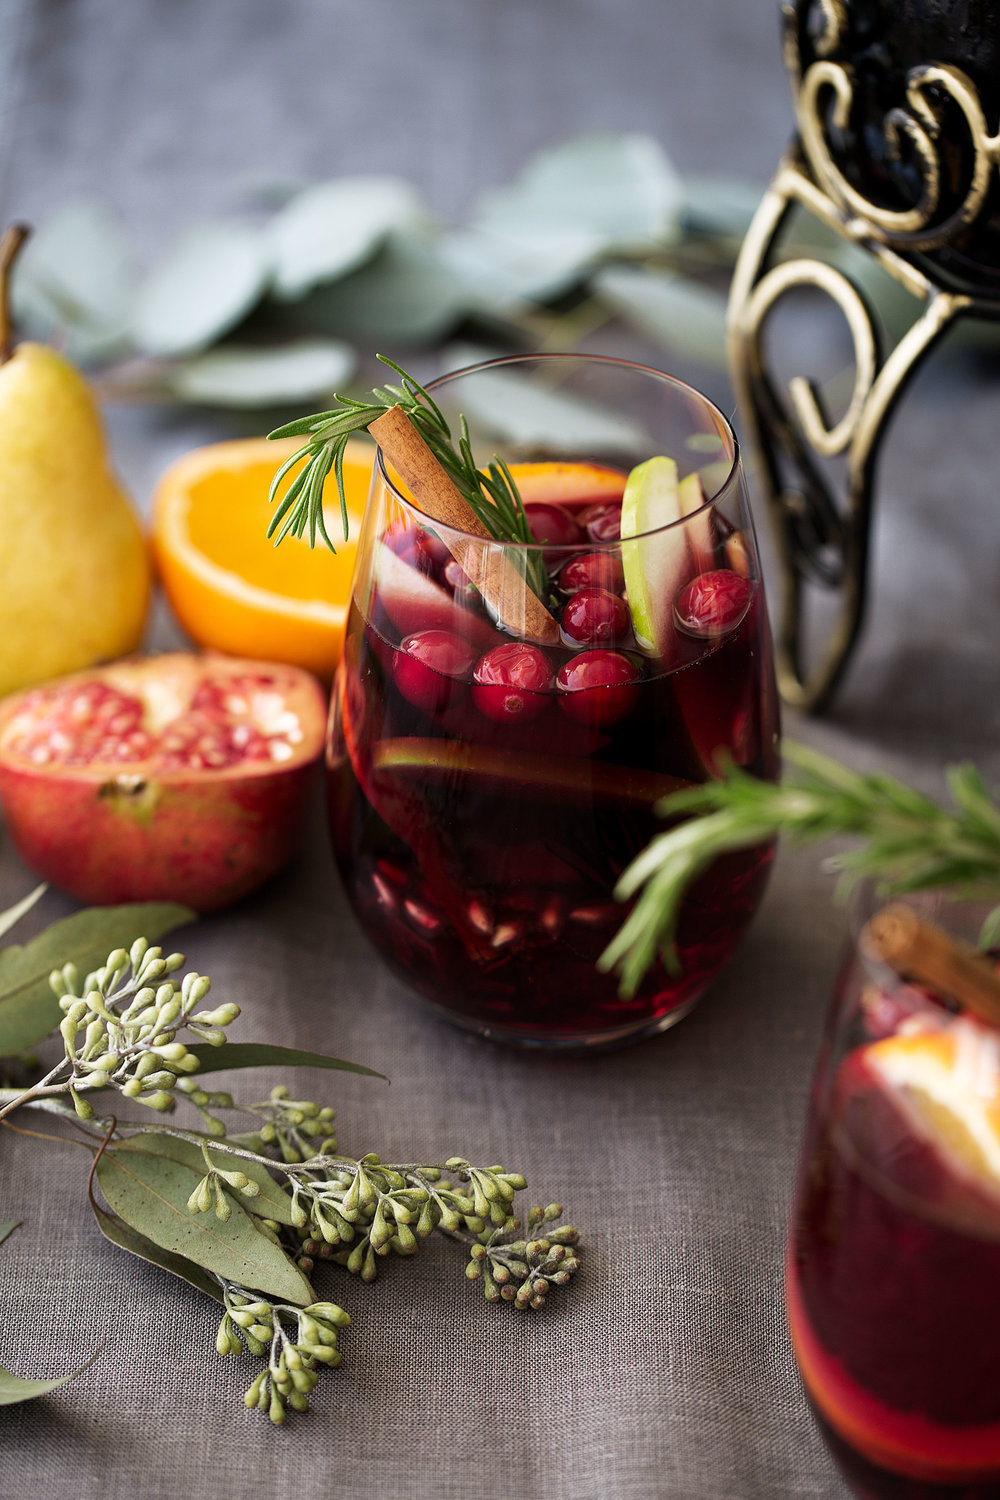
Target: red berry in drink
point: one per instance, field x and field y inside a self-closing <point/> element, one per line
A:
<point x="713" y="603"/>
<point x="604" y="522"/>
<point x="598" y="687"/>
<point x="511" y="682"/>
<point x="595" y="617"/>
<point x="551" y="523"/>
<point x="431" y="668"/>
<point x="462" y="587"/>
<point x="592" y="570"/>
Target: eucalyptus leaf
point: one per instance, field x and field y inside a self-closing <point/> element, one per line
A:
<point x="500" y="270"/>
<point x="720" y="206"/>
<point x="13" y="1389"/>
<point x="13" y="914"/>
<point x="126" y="1238"/>
<point x="29" y="1010"/>
<point x="405" y="294"/>
<point x="150" y="1192"/>
<point x="206" y="284"/>
<point x="683" y="316"/>
<point x="525" y="411"/>
<point x="272" y="1202"/>
<point x="6" y="1230"/>
<point x="300" y="370"/>
<point x="74" y="282"/>
<point x="334" y="227"/>
<point x="267" y="1055"/>
<point x="620" y="187"/>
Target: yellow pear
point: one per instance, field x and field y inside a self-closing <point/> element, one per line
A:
<point x="74" y="567"/>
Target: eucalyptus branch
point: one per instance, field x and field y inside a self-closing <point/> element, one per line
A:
<point x="281" y="1199"/>
<point x="492" y="493"/>
<point x="909" y="843"/>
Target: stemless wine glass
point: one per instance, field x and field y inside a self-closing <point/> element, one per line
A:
<point x="894" y="1253"/>
<point x="491" y="776"/>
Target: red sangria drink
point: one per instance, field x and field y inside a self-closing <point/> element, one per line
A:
<point x="894" y="1256"/>
<point x="507" y="715"/>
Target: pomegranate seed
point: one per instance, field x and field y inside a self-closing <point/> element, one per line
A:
<point x="386" y="896"/>
<point x="505" y="934"/>
<point x="480" y="917"/>
<point x="598" y="687"/>
<point x="594" y="916"/>
<point x="429" y="668"/>
<point x="713" y="603"/>
<point x="512" y="682"/>
<point x="592" y="570"/>
<point x="552" y="917"/>
<point x="595" y="617"/>
<point x="422" y="918"/>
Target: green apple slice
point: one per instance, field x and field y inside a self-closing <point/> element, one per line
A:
<point x="663" y="556"/>
<point x="656" y="564"/>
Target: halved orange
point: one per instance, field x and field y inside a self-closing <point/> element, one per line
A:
<point x="947" y="1084"/>
<point x="231" y="589"/>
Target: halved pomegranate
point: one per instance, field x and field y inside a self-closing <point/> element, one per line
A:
<point x="178" y="777"/>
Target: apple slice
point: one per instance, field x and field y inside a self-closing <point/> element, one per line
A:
<point x="658" y="563"/>
<point x="700" y="533"/>
<point x="413" y="601"/>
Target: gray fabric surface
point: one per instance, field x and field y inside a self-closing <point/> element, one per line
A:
<point x="666" y="1372"/>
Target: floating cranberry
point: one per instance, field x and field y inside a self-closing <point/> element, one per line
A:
<point x="551" y="523"/>
<point x="458" y="580"/>
<point x="427" y="553"/>
<point x="595" y="617"/>
<point x="592" y="570"/>
<point x="511" y="682"/>
<point x="431" y="667"/>
<point x="604" y="522"/>
<point x="713" y="603"/>
<point x="598" y="687"/>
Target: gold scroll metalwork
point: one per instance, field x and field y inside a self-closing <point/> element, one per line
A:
<point x="823" y="538"/>
<point x="823" y="535"/>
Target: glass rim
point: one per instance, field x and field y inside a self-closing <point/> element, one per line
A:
<point x="607" y="360"/>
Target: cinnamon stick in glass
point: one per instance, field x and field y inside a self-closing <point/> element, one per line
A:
<point x="487" y="565"/>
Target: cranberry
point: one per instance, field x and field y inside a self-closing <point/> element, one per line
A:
<point x="592" y="570"/>
<point x="427" y="553"/>
<point x="598" y="687"/>
<point x="604" y="522"/>
<point x="595" y="617"/>
<point x="511" y="682"/>
<point x="713" y="603"/>
<point x="458" y="580"/>
<point x="550" y="523"/>
<point x="430" y="666"/>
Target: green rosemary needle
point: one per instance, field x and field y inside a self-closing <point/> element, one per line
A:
<point x="908" y="843"/>
<point x="492" y="492"/>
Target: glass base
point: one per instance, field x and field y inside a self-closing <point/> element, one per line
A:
<point x="567" y="1043"/>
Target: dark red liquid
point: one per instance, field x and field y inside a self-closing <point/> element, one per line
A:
<point x="893" y="1308"/>
<point x="481" y="855"/>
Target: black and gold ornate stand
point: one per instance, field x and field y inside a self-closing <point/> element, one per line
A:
<point x="895" y="157"/>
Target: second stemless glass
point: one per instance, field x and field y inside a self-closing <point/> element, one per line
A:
<point x="486" y="790"/>
<point x="894" y="1254"/>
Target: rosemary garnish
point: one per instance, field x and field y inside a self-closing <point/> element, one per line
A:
<point x="909" y="843"/>
<point x="492" y="493"/>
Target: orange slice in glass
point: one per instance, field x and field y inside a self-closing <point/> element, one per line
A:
<point x="231" y="589"/>
<point x="946" y="1084"/>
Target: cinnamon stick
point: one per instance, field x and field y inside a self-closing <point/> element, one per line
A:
<point x="507" y="593"/>
<point x="918" y="949"/>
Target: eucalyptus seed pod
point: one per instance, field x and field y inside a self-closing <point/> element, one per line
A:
<point x="252" y="1396"/>
<point x="298" y="1401"/>
<point x="330" y="1312"/>
<point x="160" y="1100"/>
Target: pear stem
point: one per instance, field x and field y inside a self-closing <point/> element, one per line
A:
<point x="11" y="241"/>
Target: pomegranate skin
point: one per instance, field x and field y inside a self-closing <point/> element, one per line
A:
<point x="143" y="831"/>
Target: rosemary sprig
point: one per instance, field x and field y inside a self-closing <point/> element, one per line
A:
<point x="492" y="492"/>
<point x="909" y="843"/>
